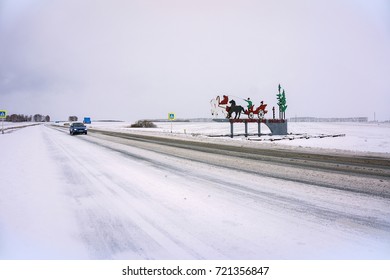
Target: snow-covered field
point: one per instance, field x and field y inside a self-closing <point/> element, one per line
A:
<point x="81" y="197"/>
<point x="359" y="137"/>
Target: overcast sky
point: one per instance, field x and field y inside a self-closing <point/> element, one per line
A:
<point x="134" y="59"/>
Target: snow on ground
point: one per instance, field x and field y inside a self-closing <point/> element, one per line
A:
<point x="15" y="125"/>
<point x="359" y="137"/>
<point x="80" y="197"/>
<point x="34" y="222"/>
<point x="362" y="137"/>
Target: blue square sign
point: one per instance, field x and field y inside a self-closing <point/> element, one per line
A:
<point x="3" y="114"/>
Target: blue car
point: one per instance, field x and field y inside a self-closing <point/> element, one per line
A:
<point x="77" y="128"/>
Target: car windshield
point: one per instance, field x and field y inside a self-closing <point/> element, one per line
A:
<point x="78" y="124"/>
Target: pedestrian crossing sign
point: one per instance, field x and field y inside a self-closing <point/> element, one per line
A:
<point x="171" y="116"/>
<point x="3" y="114"/>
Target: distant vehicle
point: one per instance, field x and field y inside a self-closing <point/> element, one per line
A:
<point x="77" y="128"/>
<point x="87" y="120"/>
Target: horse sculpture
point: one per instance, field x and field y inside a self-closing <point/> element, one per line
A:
<point x="237" y="109"/>
<point x="218" y="104"/>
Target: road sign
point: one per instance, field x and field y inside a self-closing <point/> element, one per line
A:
<point x="3" y="114"/>
<point x="171" y="116"/>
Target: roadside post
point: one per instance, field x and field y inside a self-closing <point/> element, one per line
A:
<point x="3" y="115"/>
<point x="171" y="117"/>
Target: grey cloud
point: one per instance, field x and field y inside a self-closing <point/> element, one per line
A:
<point x="140" y="59"/>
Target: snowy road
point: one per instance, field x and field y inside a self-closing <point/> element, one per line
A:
<point x="89" y="197"/>
<point x="331" y="170"/>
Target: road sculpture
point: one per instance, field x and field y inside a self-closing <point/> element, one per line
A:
<point x="227" y="105"/>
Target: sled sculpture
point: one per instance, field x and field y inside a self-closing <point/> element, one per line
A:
<point x="227" y="106"/>
<point x="259" y="111"/>
<point x="219" y="104"/>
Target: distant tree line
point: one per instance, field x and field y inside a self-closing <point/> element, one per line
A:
<point x="73" y="118"/>
<point x="26" y="118"/>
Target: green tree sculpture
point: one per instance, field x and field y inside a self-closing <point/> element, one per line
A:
<point x="281" y="96"/>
